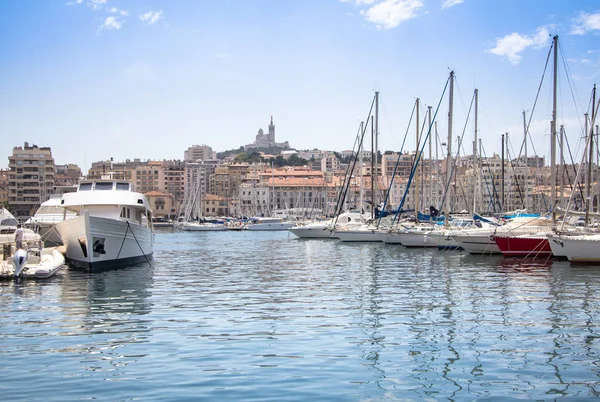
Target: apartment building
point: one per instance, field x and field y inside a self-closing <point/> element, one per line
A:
<point x="31" y="179"/>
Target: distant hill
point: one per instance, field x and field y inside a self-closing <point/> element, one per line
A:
<point x="271" y="151"/>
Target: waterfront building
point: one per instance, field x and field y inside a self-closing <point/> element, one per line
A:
<point x="173" y="181"/>
<point x="329" y="163"/>
<point x="214" y="206"/>
<point x="162" y="204"/>
<point x="4" y="174"/>
<point x="279" y="192"/>
<point x="122" y="170"/>
<point x="226" y="180"/>
<point x="197" y="153"/>
<point x="67" y="175"/>
<point x="31" y="179"/>
<point x="197" y="176"/>
<point x="148" y="177"/>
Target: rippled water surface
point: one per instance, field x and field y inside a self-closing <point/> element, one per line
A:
<point x="266" y="316"/>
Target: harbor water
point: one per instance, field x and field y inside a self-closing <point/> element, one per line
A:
<point x="265" y="316"/>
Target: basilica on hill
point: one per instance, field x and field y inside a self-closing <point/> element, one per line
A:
<point x="267" y="140"/>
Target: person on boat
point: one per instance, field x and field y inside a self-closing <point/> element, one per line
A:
<point x="19" y="237"/>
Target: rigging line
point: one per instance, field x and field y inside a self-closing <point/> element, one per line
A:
<point x="571" y="184"/>
<point x="513" y="168"/>
<point x="571" y="86"/>
<point x="418" y="156"/>
<point x="397" y="162"/>
<point x="353" y="164"/>
<point x="388" y="119"/>
<point x="139" y="245"/>
<point x="340" y="200"/>
<point x="462" y="100"/>
<point x="537" y="97"/>
<point x="455" y="161"/>
<point x="494" y="193"/>
<point x="123" y="242"/>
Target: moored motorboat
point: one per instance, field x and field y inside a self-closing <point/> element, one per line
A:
<point x="34" y="263"/>
<point x="113" y="226"/>
<point x="267" y="223"/>
<point x="203" y="227"/>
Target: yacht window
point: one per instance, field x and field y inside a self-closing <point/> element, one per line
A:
<point x="9" y="222"/>
<point x="123" y="212"/>
<point x="85" y="186"/>
<point x="104" y="186"/>
<point x="123" y="186"/>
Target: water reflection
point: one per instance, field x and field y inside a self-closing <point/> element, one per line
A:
<point x="243" y="316"/>
<point x="106" y="312"/>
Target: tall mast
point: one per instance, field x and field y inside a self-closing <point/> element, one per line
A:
<point x="430" y="175"/>
<point x="526" y="162"/>
<point x="449" y="155"/>
<point x="553" y="134"/>
<point x="376" y="174"/>
<point x="475" y="159"/>
<point x="561" y="145"/>
<point x="588" y="192"/>
<point x="416" y="178"/>
<point x="360" y="172"/>
<point x="502" y="179"/>
<point x="372" y="168"/>
<point x="437" y="166"/>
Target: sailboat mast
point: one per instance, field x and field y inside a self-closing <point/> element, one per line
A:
<point x="376" y="174"/>
<point x="526" y="161"/>
<point x="553" y="134"/>
<point x="430" y="174"/>
<point x="475" y="159"/>
<point x="561" y="201"/>
<point x="588" y="192"/>
<point x="449" y="147"/>
<point x="417" y="176"/>
<point x="372" y="169"/>
<point x="502" y="179"/>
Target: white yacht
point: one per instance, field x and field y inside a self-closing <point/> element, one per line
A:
<point x="203" y="227"/>
<point x="49" y="214"/>
<point x="8" y="225"/>
<point x="113" y="226"/>
<point x="263" y="223"/>
<point x="325" y="229"/>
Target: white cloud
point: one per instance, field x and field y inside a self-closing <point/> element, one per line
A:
<point x="116" y="10"/>
<point x="151" y="17"/>
<point x="510" y="46"/>
<point x="451" y="3"/>
<point x="359" y="2"/>
<point x="585" y="23"/>
<point x="72" y="3"/>
<point x="391" y="13"/>
<point x="111" y="23"/>
<point x="96" y="4"/>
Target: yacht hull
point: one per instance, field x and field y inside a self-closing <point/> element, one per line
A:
<point x="311" y="232"/>
<point x="526" y="247"/>
<point x="95" y="243"/>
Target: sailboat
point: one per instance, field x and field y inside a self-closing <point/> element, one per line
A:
<point x="365" y="231"/>
<point x="538" y="244"/>
<point x="583" y="248"/>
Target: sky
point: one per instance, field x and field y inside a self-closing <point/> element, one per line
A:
<point x="95" y="79"/>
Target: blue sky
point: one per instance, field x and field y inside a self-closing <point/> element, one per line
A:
<point x="95" y="79"/>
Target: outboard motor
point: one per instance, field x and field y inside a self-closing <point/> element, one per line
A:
<point x="19" y="259"/>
